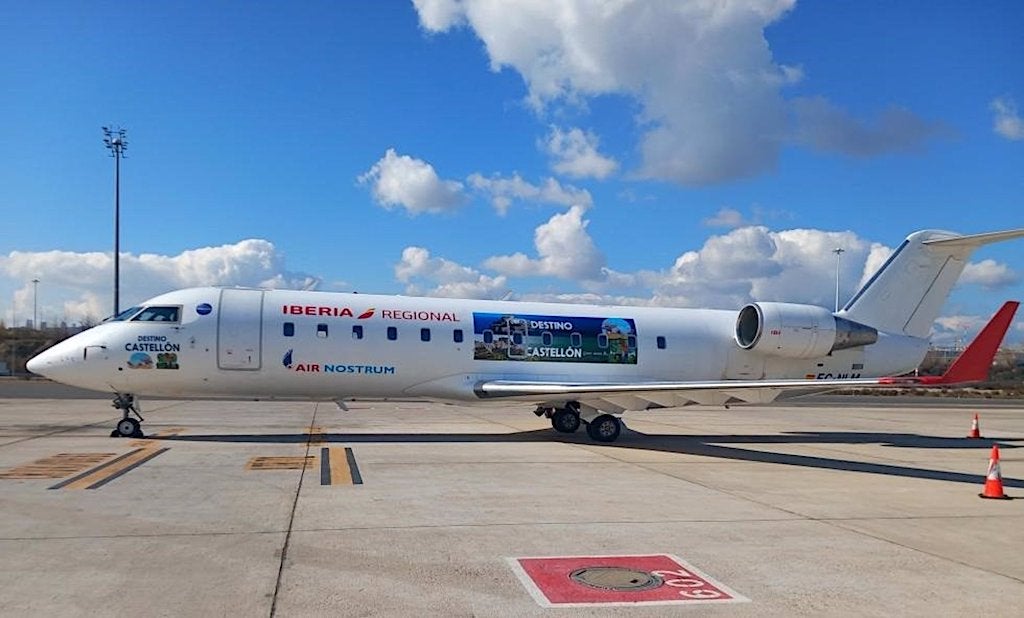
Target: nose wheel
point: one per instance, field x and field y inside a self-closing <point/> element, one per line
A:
<point x="127" y="427"/>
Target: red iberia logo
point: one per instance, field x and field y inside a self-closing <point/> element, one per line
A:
<point x="317" y="310"/>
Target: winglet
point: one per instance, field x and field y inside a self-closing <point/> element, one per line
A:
<point x="973" y="364"/>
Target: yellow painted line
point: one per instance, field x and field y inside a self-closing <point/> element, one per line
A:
<point x="166" y="433"/>
<point x="340" y="473"/>
<point x="279" y="463"/>
<point x="338" y="467"/>
<point x="55" y="467"/>
<point x="104" y="473"/>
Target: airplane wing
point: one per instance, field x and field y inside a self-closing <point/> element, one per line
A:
<point x="972" y="365"/>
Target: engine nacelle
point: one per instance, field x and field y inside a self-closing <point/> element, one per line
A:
<point x="798" y="331"/>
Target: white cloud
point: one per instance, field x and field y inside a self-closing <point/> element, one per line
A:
<point x="726" y="217"/>
<point x="564" y="247"/>
<point x="504" y="191"/>
<point x="709" y="90"/>
<point x="402" y="181"/>
<point x="453" y="280"/>
<point x="575" y="154"/>
<point x="1007" y="122"/>
<point x="988" y="274"/>
<point x="438" y="15"/>
<point x="824" y="126"/>
<point x="76" y="286"/>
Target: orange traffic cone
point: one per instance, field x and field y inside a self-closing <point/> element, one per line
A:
<point x="994" y="478"/>
<point x="975" y="431"/>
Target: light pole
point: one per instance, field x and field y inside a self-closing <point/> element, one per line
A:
<point x="35" y="304"/>
<point x="839" y="251"/>
<point x="114" y="140"/>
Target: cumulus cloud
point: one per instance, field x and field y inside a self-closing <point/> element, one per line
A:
<point x="1007" y="121"/>
<point x="401" y="181"/>
<point x="824" y="126"/>
<point x="452" y="280"/>
<point x="709" y="92"/>
<point x="988" y="274"/>
<point x="726" y="217"/>
<point x="503" y="191"/>
<point x="564" y="247"/>
<point x="574" y="153"/>
<point x="75" y="286"/>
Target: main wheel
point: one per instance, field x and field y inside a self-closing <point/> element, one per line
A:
<point x="565" y="421"/>
<point x="129" y="428"/>
<point x="604" y="428"/>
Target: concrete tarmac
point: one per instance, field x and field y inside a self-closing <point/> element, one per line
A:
<point x="830" y="509"/>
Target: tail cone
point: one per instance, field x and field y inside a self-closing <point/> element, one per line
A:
<point x="994" y="478"/>
<point x="975" y="431"/>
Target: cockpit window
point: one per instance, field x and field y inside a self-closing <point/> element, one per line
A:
<point x="124" y="315"/>
<point x="158" y="314"/>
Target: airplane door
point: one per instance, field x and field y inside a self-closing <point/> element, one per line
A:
<point x="239" y="329"/>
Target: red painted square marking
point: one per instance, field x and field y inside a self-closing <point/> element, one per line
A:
<point x="549" y="581"/>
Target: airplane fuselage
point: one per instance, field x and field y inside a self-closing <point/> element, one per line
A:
<point x="213" y="342"/>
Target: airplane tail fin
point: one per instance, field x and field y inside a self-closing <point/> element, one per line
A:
<point x="908" y="291"/>
<point x="974" y="363"/>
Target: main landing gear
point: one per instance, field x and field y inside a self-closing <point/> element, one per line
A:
<point x="600" y="427"/>
<point x="127" y="427"/>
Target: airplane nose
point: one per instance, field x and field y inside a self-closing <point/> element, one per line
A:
<point x="39" y="363"/>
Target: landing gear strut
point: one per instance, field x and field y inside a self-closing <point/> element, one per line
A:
<point x="127" y="427"/>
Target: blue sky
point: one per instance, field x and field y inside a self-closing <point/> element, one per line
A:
<point x="636" y="152"/>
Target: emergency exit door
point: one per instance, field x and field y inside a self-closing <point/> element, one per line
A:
<point x="239" y="329"/>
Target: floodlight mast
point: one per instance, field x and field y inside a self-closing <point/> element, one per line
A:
<point x="115" y="141"/>
<point x="839" y="251"/>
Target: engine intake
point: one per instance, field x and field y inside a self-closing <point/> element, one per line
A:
<point x="798" y="331"/>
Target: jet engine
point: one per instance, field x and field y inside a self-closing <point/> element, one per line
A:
<point x="798" y="331"/>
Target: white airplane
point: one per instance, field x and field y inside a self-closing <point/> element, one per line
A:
<point x="575" y="363"/>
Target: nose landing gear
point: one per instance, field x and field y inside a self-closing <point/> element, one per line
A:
<point x="127" y="427"/>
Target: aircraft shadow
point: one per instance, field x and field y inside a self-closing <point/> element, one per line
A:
<point x="714" y="446"/>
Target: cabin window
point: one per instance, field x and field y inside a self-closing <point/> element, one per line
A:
<point x="457" y="335"/>
<point x="517" y="338"/>
<point x="546" y="339"/>
<point x="631" y="342"/>
<point x="488" y="336"/>
<point x="357" y="331"/>
<point x="576" y="340"/>
<point x="392" y="333"/>
<point x="158" y="314"/>
<point x="321" y="331"/>
<point x="289" y="329"/>
<point x="662" y="344"/>
<point x="602" y="341"/>
<point x="424" y="334"/>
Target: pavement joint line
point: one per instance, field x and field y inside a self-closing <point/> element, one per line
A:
<point x="54" y="433"/>
<point x="524" y="524"/>
<point x="838" y="524"/>
<point x="291" y="516"/>
<point x="706" y="486"/>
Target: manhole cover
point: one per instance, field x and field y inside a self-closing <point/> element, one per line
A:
<point x="619" y="579"/>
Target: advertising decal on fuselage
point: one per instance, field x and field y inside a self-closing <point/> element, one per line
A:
<point x="498" y="336"/>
